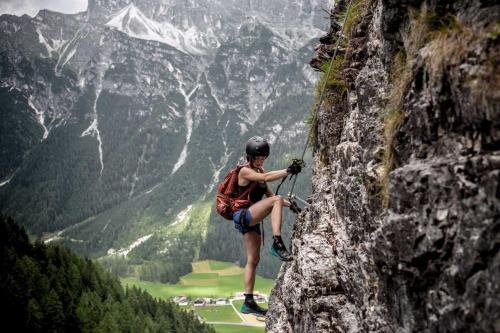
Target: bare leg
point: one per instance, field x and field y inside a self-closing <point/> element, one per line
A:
<point x="252" y="247"/>
<point x="263" y="208"/>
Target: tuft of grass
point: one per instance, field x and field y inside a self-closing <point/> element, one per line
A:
<point x="392" y="123"/>
<point x="447" y="42"/>
<point x="494" y="32"/>
<point x="334" y="86"/>
<point x="419" y="31"/>
<point x="448" y="49"/>
<point x="334" y="79"/>
<point x="439" y="23"/>
<point x="309" y="122"/>
<point x="401" y="78"/>
<point x="358" y="9"/>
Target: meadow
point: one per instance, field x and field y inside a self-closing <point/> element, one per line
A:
<point x="214" y="279"/>
<point x="209" y="279"/>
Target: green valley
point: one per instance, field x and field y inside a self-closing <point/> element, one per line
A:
<point x="225" y="280"/>
<point x="218" y="286"/>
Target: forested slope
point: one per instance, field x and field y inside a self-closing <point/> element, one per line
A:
<point x="50" y="289"/>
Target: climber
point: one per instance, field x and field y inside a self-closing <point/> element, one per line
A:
<point x="246" y="219"/>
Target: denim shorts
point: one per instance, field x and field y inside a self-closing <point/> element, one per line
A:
<point x="241" y="219"/>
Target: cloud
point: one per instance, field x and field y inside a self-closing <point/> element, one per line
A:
<point x="31" y="7"/>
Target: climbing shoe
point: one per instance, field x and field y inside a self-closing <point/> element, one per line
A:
<point x="279" y="250"/>
<point x="252" y="308"/>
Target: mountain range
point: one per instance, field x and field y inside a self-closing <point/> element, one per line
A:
<point x="119" y="122"/>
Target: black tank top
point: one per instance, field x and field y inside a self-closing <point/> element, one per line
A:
<point x="257" y="192"/>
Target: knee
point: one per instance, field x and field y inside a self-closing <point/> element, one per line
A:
<point x="253" y="261"/>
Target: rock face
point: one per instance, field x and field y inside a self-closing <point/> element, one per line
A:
<point x="403" y="234"/>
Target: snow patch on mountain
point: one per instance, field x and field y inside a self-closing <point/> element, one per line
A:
<point x="258" y="95"/>
<point x="68" y="57"/>
<point x="131" y="21"/>
<point x="106" y="226"/>
<point x="152" y="189"/>
<point x="189" y="126"/>
<point x="59" y="235"/>
<point x="40" y="116"/>
<point x="44" y="42"/>
<point x="125" y="251"/>
<point x="217" y="170"/>
<point x="213" y="90"/>
<point x="134" y="176"/>
<point x="5" y="182"/>
<point x="243" y="128"/>
<point x="69" y="49"/>
<point x="182" y="216"/>
<point x="275" y="133"/>
<point x="52" y="45"/>
<point x="93" y="129"/>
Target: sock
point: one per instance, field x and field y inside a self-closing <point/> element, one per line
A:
<point x="277" y="239"/>
<point x="248" y="298"/>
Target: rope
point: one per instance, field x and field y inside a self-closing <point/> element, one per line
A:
<point x="322" y="95"/>
<point x="278" y="188"/>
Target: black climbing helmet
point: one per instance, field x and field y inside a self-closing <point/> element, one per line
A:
<point x="257" y="146"/>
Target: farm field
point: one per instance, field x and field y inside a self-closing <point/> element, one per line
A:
<point x="217" y="313"/>
<point x="208" y="279"/>
<point x="211" y="279"/>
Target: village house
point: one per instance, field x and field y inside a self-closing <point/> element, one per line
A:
<point x="181" y="300"/>
<point x="221" y="301"/>
<point x="199" y="302"/>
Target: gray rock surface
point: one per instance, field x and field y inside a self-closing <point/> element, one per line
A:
<point x="426" y="259"/>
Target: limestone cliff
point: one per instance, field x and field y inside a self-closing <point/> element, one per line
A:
<point x="403" y="234"/>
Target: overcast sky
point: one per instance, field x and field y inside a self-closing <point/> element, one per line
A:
<point x="31" y="7"/>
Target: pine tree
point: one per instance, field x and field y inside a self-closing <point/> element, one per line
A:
<point x="88" y="311"/>
<point x="54" y="313"/>
<point x="35" y="316"/>
<point x="108" y="324"/>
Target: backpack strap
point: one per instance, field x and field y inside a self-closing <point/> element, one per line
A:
<point x="252" y="184"/>
<point x="242" y="200"/>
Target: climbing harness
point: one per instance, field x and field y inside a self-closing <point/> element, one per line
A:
<point x="291" y="196"/>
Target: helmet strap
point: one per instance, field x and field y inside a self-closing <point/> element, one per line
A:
<point x="252" y="159"/>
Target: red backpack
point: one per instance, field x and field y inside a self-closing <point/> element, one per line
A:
<point x="227" y="201"/>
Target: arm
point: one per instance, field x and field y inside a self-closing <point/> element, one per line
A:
<point x="253" y="176"/>
<point x="269" y="192"/>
